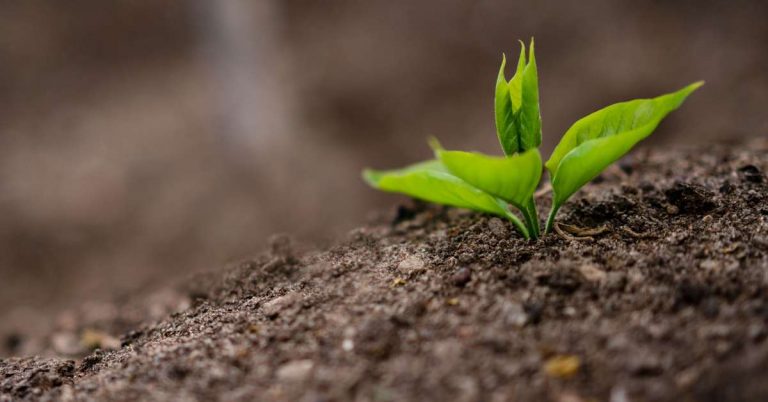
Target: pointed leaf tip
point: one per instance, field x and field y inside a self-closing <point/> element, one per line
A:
<point x="531" y="53"/>
<point x="372" y="177"/>
<point x="434" y="143"/>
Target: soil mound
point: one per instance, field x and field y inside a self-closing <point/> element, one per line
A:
<point x="654" y="289"/>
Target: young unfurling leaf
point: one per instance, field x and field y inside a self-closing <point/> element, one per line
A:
<point x="516" y="105"/>
<point x="601" y="138"/>
<point x="431" y="181"/>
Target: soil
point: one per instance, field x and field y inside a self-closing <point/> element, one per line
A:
<point x="665" y="301"/>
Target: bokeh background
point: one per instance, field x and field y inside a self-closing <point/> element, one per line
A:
<point x="144" y="141"/>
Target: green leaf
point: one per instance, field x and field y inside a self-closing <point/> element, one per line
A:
<point x="601" y="138"/>
<point x="511" y="178"/>
<point x="506" y="128"/>
<point x="530" y="115"/>
<point x="516" y="83"/>
<point x="431" y="181"/>
<point x="516" y="105"/>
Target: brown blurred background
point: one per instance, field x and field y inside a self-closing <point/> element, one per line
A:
<point x="142" y="141"/>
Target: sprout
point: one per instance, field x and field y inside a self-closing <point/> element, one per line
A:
<point x="491" y="183"/>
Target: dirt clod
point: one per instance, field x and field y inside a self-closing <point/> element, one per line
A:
<point x="690" y="198"/>
<point x="751" y="173"/>
<point x="461" y="277"/>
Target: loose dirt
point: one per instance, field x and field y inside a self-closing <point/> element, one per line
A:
<point x="654" y="291"/>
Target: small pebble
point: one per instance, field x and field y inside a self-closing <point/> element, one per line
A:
<point x="411" y="265"/>
<point x="398" y="282"/>
<point x="563" y="366"/>
<point x="687" y="378"/>
<point x="273" y="307"/>
<point x="514" y="314"/>
<point x="295" y="371"/>
<point x="710" y="264"/>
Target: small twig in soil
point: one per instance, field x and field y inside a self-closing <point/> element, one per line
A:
<point x="730" y="249"/>
<point x="566" y="236"/>
<point x="626" y="229"/>
<point x="575" y="230"/>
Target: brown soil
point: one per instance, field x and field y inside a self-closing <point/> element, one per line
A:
<point x="669" y="303"/>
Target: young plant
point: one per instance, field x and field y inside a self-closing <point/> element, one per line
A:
<point x="490" y="184"/>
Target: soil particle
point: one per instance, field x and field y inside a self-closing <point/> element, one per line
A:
<point x="592" y="273"/>
<point x="615" y="281"/>
<point x="461" y="277"/>
<point x="513" y="314"/>
<point x="376" y="338"/>
<point x="443" y="304"/>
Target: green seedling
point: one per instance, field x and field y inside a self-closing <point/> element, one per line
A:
<point x="491" y="184"/>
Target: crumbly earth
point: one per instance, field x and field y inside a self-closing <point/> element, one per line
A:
<point x="655" y="292"/>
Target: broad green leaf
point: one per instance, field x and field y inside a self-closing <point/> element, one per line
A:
<point x="511" y="178"/>
<point x="516" y="105"/>
<point x="431" y="181"/>
<point x="601" y="138"/>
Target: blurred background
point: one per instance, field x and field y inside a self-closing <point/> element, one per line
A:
<point x="143" y="141"/>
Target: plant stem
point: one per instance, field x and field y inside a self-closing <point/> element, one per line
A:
<point x="551" y="218"/>
<point x="527" y="219"/>
<point x="533" y="218"/>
